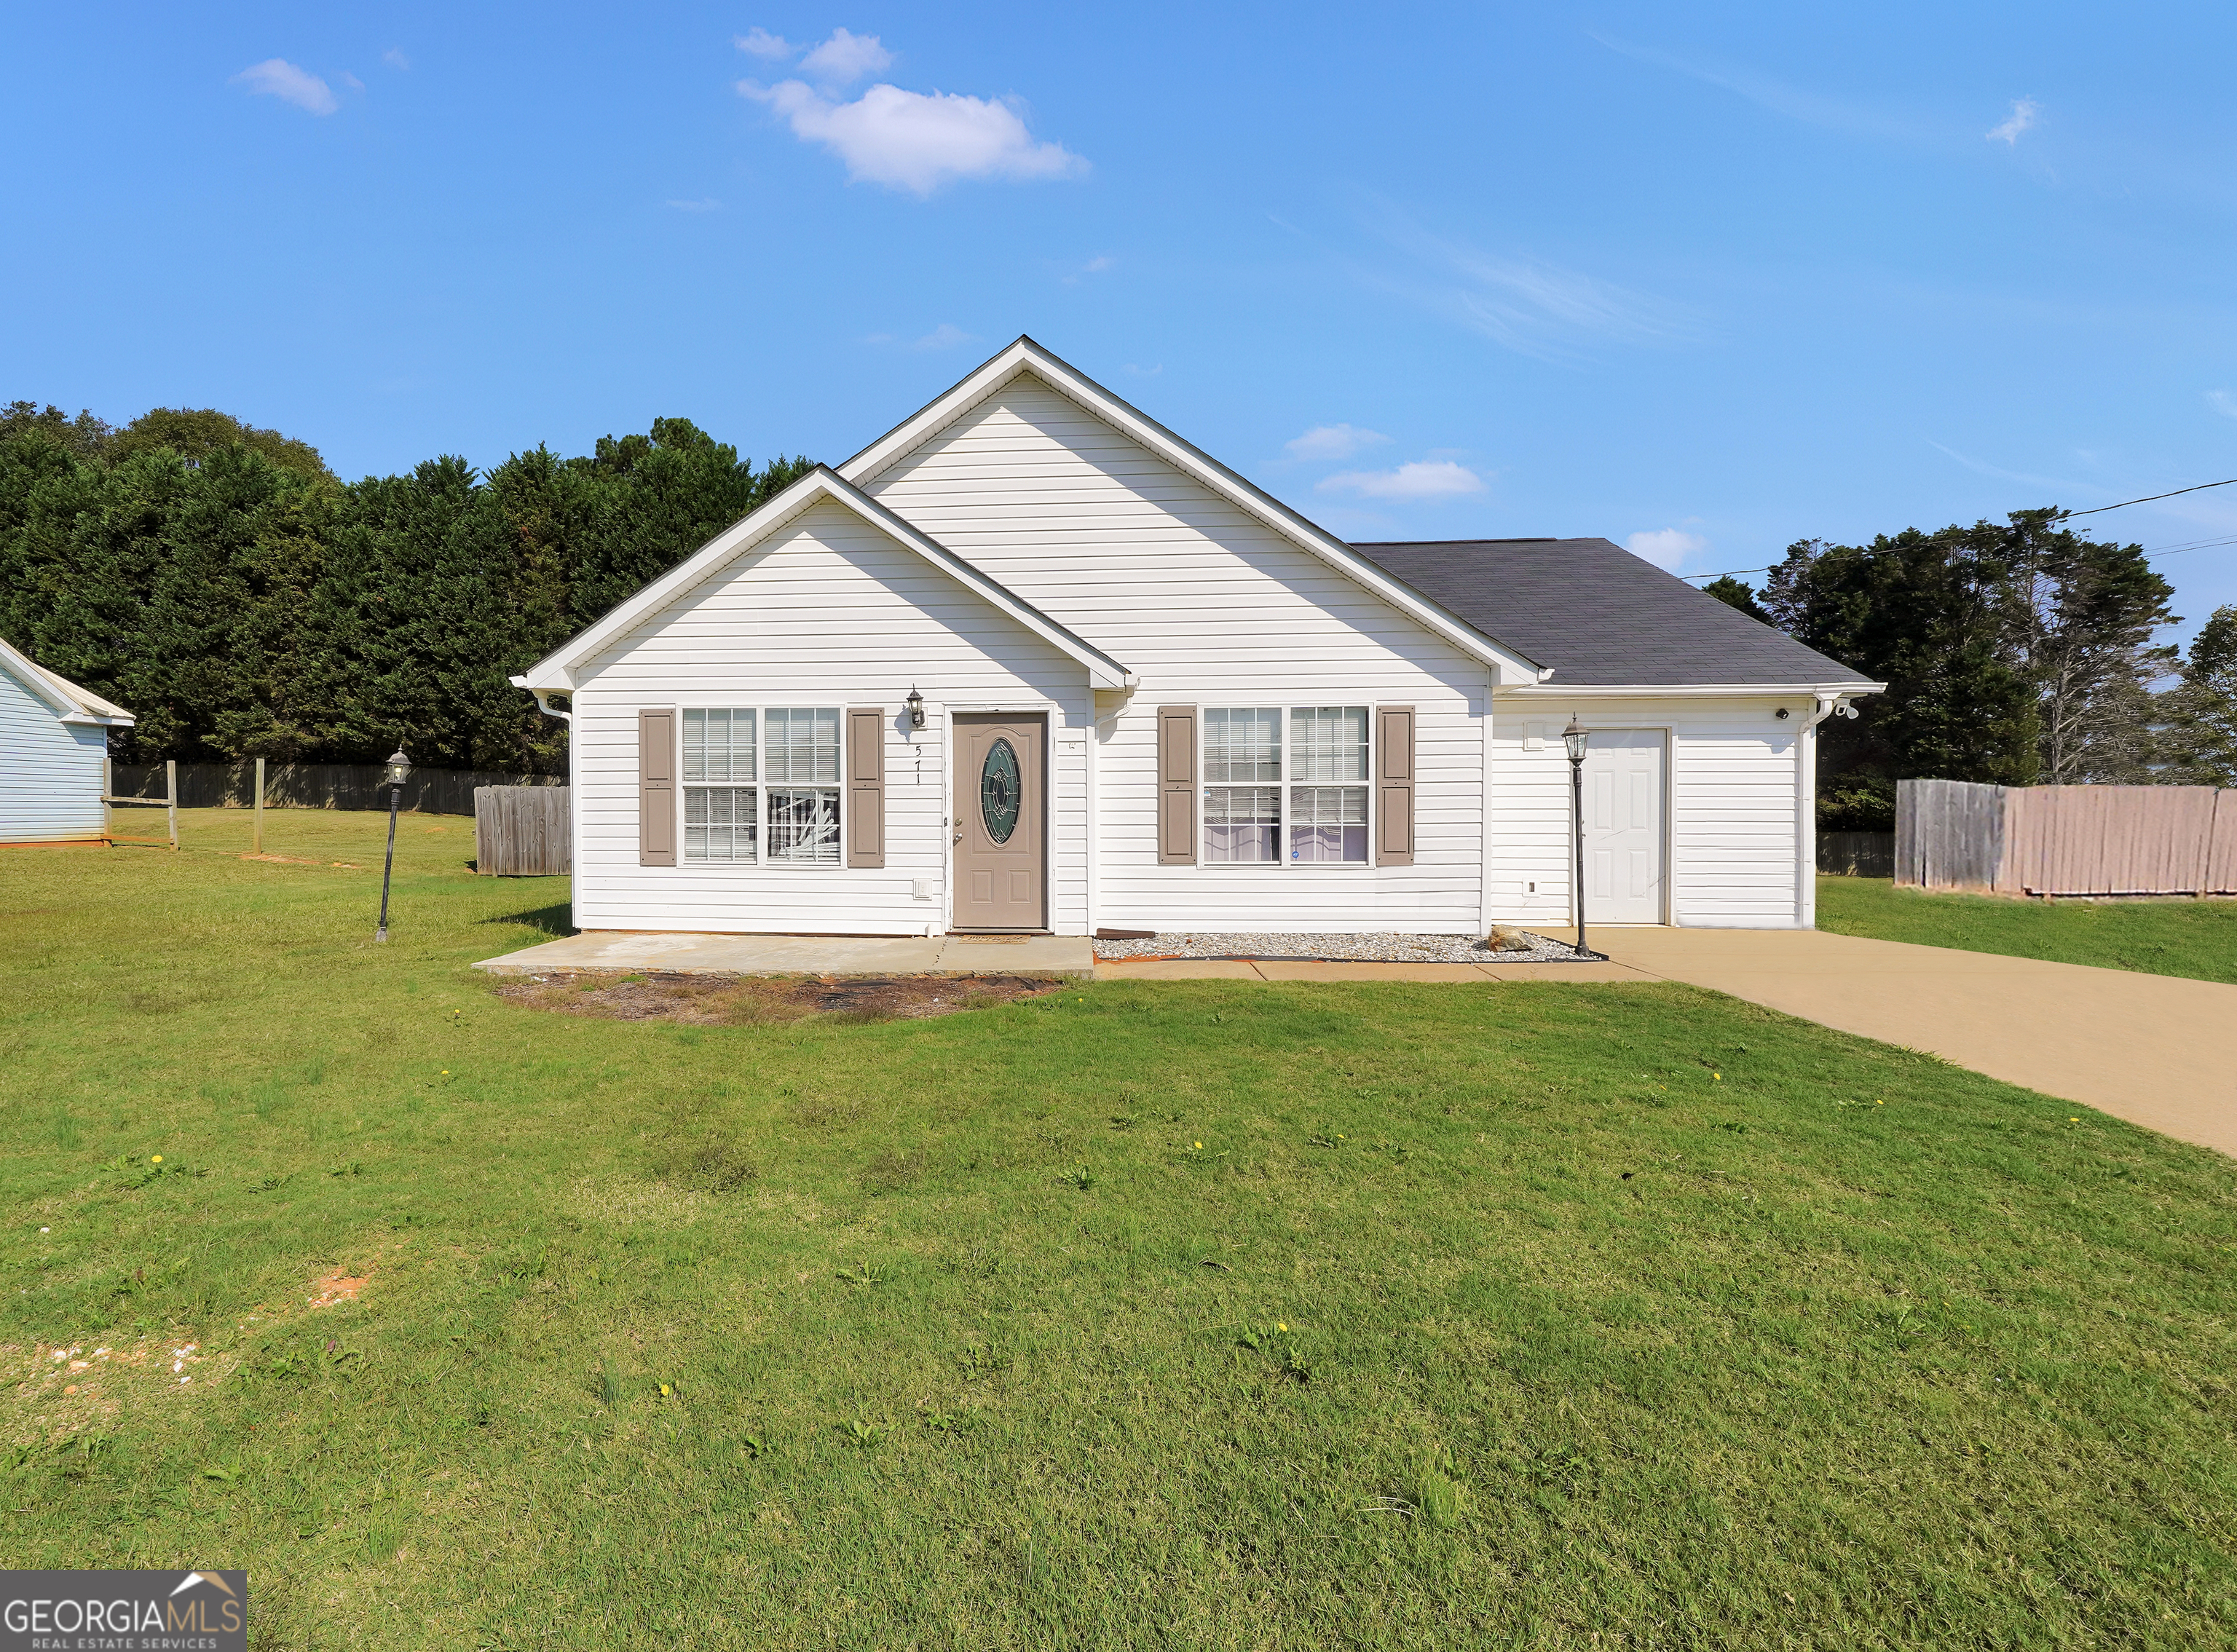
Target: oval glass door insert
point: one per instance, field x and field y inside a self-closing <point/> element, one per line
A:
<point x="999" y="791"/>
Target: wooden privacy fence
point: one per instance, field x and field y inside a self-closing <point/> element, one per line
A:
<point x="2067" y="839"/>
<point x="317" y="786"/>
<point x="1856" y="854"/>
<point x="522" y="831"/>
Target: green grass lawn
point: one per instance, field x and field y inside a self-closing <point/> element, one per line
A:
<point x="2193" y="937"/>
<point x="1189" y="1314"/>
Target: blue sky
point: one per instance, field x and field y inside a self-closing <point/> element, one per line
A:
<point x="1718" y="279"/>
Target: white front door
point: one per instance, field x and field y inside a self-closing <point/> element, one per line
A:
<point x="1623" y="827"/>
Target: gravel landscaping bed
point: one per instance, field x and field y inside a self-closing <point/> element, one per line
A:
<point x="1373" y="949"/>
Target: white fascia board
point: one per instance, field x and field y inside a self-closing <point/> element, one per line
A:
<point x="1025" y="356"/>
<point x="71" y="703"/>
<point x="556" y="672"/>
<point x="1685" y="691"/>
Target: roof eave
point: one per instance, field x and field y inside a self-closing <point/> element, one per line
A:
<point x="1554" y="690"/>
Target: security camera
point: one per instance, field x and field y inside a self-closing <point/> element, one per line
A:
<point x="1782" y="714"/>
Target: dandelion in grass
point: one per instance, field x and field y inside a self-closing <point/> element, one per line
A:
<point x="155" y="1158"/>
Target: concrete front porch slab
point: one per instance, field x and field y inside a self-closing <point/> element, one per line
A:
<point x="814" y="955"/>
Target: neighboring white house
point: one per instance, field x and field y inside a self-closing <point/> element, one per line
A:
<point x="54" y="752"/>
<point x="1152" y="696"/>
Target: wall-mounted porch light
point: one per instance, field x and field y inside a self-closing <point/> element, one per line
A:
<point x="915" y="709"/>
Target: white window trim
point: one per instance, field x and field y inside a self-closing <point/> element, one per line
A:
<point x="1282" y="789"/>
<point x="762" y="785"/>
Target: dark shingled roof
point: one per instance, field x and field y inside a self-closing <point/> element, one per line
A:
<point x="1597" y="613"/>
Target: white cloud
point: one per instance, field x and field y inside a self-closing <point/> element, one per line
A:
<point x="277" y="77"/>
<point x="395" y="59"/>
<point x="2023" y="478"/>
<point x="1095" y="265"/>
<point x="944" y="336"/>
<point x="708" y="204"/>
<point x="351" y="81"/>
<point x="917" y="140"/>
<point x="845" y="58"/>
<point x="1533" y="307"/>
<point x="2222" y="402"/>
<point x="1666" y="548"/>
<point x="1333" y="442"/>
<point x="1796" y="104"/>
<point x="1417" y="479"/>
<point x="2023" y="116"/>
<point x="761" y="43"/>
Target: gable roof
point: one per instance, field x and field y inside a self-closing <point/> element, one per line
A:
<point x="1025" y="356"/>
<point x="554" y="672"/>
<point x="71" y="703"/>
<point x="1601" y="616"/>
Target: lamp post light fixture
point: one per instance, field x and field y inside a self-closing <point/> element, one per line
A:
<point x="1576" y="737"/>
<point x="393" y="775"/>
<point x="915" y="709"/>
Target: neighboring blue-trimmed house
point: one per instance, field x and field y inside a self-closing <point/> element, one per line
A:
<point x="54" y="756"/>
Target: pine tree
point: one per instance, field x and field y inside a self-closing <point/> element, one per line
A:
<point x="1737" y="593"/>
<point x="2199" y="738"/>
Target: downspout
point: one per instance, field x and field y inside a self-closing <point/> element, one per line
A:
<point x="574" y="792"/>
<point x="1805" y="807"/>
<point x="549" y="710"/>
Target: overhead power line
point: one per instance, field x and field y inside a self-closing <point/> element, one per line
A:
<point x="2172" y="550"/>
<point x="2164" y="551"/>
<point x="2148" y="497"/>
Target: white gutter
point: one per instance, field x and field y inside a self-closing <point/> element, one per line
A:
<point x="1690" y="690"/>
<point x="541" y="704"/>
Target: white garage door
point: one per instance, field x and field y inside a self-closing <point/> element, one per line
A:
<point x="1623" y="827"/>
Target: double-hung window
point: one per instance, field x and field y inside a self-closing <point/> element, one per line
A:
<point x="1242" y="784"/>
<point x="803" y="785"/>
<point x="1258" y="806"/>
<point x="720" y="808"/>
<point x="762" y="784"/>
<point x="1328" y="804"/>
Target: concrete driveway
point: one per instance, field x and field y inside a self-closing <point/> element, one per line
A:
<point x="2155" y="1050"/>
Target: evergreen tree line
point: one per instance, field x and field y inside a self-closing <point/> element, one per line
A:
<point x="219" y="583"/>
<point x="223" y="584"/>
<point x="2018" y="653"/>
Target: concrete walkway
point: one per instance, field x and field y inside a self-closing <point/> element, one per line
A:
<point x="2155" y="1050"/>
<point x="816" y="955"/>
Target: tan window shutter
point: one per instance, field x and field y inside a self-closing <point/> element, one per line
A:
<point x="866" y="786"/>
<point x="1177" y="785"/>
<point x="1394" y="785"/>
<point x="656" y="788"/>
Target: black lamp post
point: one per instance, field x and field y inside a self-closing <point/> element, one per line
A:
<point x="1576" y="737"/>
<point x="393" y="775"/>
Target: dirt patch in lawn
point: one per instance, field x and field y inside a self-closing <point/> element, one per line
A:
<point x="340" y="1286"/>
<point x="736" y="1001"/>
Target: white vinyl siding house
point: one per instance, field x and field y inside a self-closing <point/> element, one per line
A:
<point x="1235" y="720"/>
<point x="53" y="751"/>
